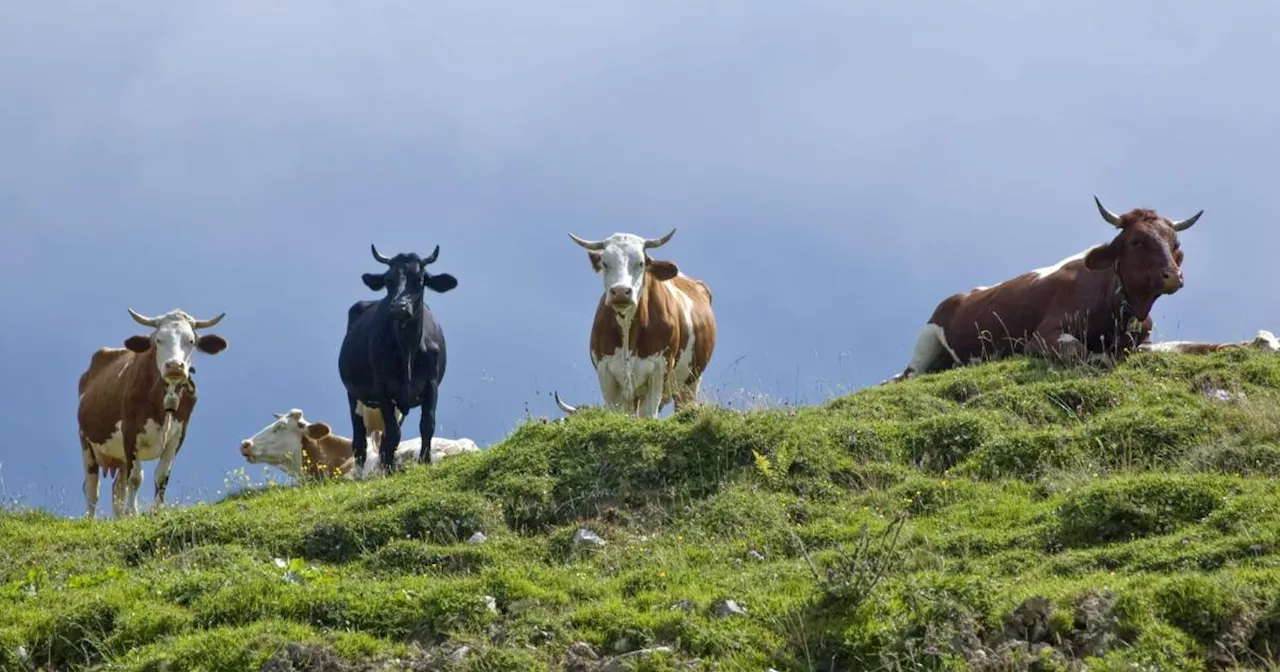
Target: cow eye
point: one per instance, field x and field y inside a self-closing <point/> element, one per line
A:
<point x="302" y="425"/>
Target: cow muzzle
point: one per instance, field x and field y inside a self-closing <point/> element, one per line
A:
<point x="401" y="311"/>
<point x="246" y="449"/>
<point x="621" y="297"/>
<point x="175" y="372"/>
<point x="1172" y="280"/>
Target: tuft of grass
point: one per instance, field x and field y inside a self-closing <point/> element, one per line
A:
<point x="1011" y="515"/>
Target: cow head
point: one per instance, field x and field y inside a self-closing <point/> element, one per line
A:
<point x="1145" y="252"/>
<point x="175" y="342"/>
<point x="405" y="279"/>
<point x="624" y="261"/>
<point x="280" y="443"/>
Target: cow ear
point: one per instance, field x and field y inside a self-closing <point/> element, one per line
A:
<point x="1101" y="257"/>
<point x="138" y="344"/>
<point x="317" y="431"/>
<point x="373" y="281"/>
<point x="663" y="270"/>
<point x="440" y="283"/>
<point x="211" y="344"/>
<point x="595" y="257"/>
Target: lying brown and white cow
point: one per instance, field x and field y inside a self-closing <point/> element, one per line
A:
<point x="1265" y="341"/>
<point x="136" y="404"/>
<point x="654" y="329"/>
<point x="1093" y="305"/>
<point x="310" y="451"/>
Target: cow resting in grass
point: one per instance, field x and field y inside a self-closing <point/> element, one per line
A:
<point x="1093" y="306"/>
<point x="310" y="451"/>
<point x="136" y="404"/>
<point x="393" y="355"/>
<point x="654" y="329"/>
<point x="1265" y="341"/>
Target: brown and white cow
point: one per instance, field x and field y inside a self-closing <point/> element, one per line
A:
<point x="1264" y="340"/>
<point x="654" y="329"/>
<point x="136" y="404"/>
<point x="1092" y="305"/>
<point x="310" y="451"/>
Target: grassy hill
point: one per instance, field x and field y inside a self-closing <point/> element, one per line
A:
<point x="1007" y="516"/>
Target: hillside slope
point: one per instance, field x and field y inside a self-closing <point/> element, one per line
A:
<point x="1014" y="516"/>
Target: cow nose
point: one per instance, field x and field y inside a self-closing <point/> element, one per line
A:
<point x="175" y="370"/>
<point x="618" y="293"/>
<point x="1173" y="279"/>
<point x="246" y="448"/>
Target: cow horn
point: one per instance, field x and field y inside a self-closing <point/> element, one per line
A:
<point x="377" y="256"/>
<point x="563" y="406"/>
<point x="1186" y="223"/>
<point x="589" y="244"/>
<point x="278" y="415"/>
<point x="205" y="324"/>
<point x="1111" y="217"/>
<point x="143" y="320"/>
<point x="652" y="243"/>
<point x="432" y="259"/>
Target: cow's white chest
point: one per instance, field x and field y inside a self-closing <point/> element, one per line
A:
<point x="149" y="441"/>
<point x="631" y="373"/>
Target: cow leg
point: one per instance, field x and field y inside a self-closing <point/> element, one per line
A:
<point x="118" y="492"/>
<point x="359" y="436"/>
<point x="652" y="401"/>
<point x="90" y="479"/>
<point x="427" y="423"/>
<point x="132" y="488"/>
<point x="124" y="489"/>
<point x="610" y="390"/>
<point x="162" y="473"/>
<point x="687" y="394"/>
<point x="390" y="438"/>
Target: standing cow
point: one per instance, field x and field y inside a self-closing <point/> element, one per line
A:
<point x="136" y="404"/>
<point x="1088" y="306"/>
<point x="654" y="329"/>
<point x="393" y="355"/>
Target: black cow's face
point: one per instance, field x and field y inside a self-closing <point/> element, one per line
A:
<point x="404" y="280"/>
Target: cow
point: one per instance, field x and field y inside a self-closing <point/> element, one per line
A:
<point x="310" y="451"/>
<point x="654" y="328"/>
<point x="392" y="357"/>
<point x="1094" y="305"/>
<point x="136" y="404"/>
<point x="1264" y="340"/>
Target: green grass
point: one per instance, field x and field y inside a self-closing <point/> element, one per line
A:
<point x="1005" y="516"/>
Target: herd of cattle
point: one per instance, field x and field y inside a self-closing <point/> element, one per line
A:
<point x="651" y="340"/>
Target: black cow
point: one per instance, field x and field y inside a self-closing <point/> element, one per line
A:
<point x="393" y="356"/>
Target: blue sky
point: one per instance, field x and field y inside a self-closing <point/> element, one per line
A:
<point x="833" y="168"/>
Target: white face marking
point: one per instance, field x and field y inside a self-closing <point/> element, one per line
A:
<point x="1067" y="338"/>
<point x="622" y="262"/>
<point x="1267" y="341"/>
<point x="1042" y="273"/>
<point x="279" y="443"/>
<point x="174" y="341"/>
